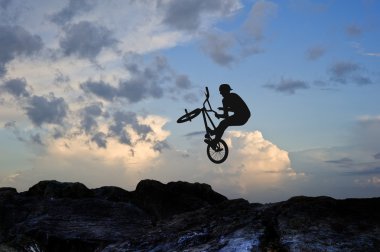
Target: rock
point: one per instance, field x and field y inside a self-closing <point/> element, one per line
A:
<point x="162" y="200"/>
<point x="55" y="189"/>
<point x="113" y="193"/>
<point x="8" y="190"/>
<point x="179" y="216"/>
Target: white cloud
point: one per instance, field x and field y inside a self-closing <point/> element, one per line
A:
<point x="369" y="182"/>
<point x="256" y="169"/>
<point x="9" y="179"/>
<point x="375" y="181"/>
<point x="78" y="159"/>
<point x="369" y="118"/>
<point x="263" y="167"/>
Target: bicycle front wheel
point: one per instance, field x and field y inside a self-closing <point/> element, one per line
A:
<point x="188" y="116"/>
<point x="219" y="154"/>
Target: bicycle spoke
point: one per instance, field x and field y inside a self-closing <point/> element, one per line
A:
<point x="219" y="154"/>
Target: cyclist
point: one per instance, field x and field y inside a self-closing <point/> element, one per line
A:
<point x="231" y="103"/>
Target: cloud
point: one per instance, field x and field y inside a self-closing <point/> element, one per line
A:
<point x="288" y="86"/>
<point x="342" y="161"/>
<point x="182" y="81"/>
<point x="257" y="153"/>
<point x="257" y="166"/>
<point x="362" y="80"/>
<point x="345" y="166"/>
<point x="46" y="109"/>
<point x="373" y="54"/>
<point x="145" y="81"/>
<point x="366" y="171"/>
<point x="225" y="48"/>
<point x="86" y="40"/>
<point x="89" y="115"/>
<point x="375" y="181"/>
<point x="16" y="87"/>
<point x="28" y="136"/>
<point x="218" y="47"/>
<point x="195" y="133"/>
<point x="100" y="89"/>
<point x="36" y="139"/>
<point x="362" y="51"/>
<point x="11" y="124"/>
<point x="354" y="30"/>
<point x="100" y="139"/>
<point x="255" y="169"/>
<point x="315" y="52"/>
<point x="261" y="13"/>
<point x="342" y="70"/>
<point x="344" y="177"/>
<point x="187" y="15"/>
<point x="15" y="130"/>
<point x="346" y="71"/>
<point x="61" y="78"/>
<point x="73" y="8"/>
<point x="161" y="145"/>
<point x="191" y="98"/>
<point x="4" y="3"/>
<point x="16" y="41"/>
<point x="119" y="127"/>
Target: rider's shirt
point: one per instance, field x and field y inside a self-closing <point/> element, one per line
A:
<point x="234" y="103"/>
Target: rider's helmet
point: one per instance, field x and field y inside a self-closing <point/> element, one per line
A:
<point x="225" y="88"/>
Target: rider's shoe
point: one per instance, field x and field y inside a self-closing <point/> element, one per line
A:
<point x="210" y="131"/>
<point x="213" y="143"/>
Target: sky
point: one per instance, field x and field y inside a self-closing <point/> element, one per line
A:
<point x="90" y="92"/>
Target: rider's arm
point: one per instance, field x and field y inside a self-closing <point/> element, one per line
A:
<point x="225" y="111"/>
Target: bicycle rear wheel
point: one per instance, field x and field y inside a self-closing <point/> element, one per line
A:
<point x="188" y="116"/>
<point x="220" y="154"/>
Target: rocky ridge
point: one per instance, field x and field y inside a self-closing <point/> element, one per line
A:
<point x="179" y="216"/>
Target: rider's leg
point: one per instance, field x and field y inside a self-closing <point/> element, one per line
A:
<point x="219" y="131"/>
<point x="229" y="121"/>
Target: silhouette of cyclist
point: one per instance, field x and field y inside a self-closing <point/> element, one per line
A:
<point x="231" y="103"/>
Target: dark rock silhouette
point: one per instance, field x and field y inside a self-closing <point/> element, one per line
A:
<point x="179" y="216"/>
<point x="55" y="189"/>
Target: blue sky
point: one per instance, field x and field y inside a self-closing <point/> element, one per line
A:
<point x="90" y="91"/>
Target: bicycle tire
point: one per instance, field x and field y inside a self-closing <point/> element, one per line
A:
<point x="189" y="115"/>
<point x="218" y="157"/>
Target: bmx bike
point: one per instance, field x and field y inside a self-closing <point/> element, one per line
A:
<point x="216" y="152"/>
